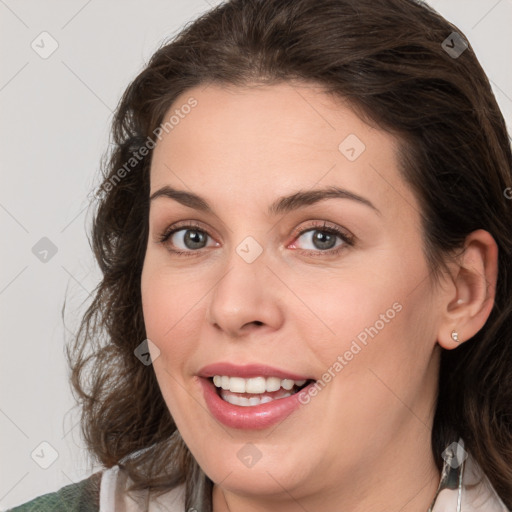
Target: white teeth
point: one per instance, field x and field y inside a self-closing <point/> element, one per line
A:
<point x="255" y="385"/>
<point x="273" y="384"/>
<point x="249" y="402"/>
<point x="287" y="384"/>
<point x="237" y="384"/>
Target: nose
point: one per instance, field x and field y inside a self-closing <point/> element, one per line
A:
<point x="246" y="297"/>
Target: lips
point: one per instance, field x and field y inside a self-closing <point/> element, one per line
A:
<point x="250" y="396"/>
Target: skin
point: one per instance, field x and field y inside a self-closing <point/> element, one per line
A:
<point x="363" y="443"/>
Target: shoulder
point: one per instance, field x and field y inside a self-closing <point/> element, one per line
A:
<point x="82" y="496"/>
<point x="105" y="490"/>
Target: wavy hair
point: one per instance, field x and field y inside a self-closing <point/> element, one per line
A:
<point x="387" y="60"/>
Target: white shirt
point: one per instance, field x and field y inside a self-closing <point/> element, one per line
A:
<point x="113" y="497"/>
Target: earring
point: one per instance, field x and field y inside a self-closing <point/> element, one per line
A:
<point x="455" y="336"/>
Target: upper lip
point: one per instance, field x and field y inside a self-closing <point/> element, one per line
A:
<point x="248" y="371"/>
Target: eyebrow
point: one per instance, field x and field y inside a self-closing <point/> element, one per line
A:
<point x="281" y="205"/>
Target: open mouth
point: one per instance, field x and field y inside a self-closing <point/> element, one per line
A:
<point x="255" y="390"/>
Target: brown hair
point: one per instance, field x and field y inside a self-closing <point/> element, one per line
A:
<point x="385" y="57"/>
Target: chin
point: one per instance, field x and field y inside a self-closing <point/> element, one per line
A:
<point x="254" y="469"/>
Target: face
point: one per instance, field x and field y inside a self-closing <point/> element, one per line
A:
<point x="291" y="258"/>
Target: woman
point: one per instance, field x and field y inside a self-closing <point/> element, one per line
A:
<point x="305" y="240"/>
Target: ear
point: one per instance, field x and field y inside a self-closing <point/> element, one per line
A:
<point x="470" y="295"/>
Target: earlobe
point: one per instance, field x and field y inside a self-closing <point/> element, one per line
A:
<point x="470" y="299"/>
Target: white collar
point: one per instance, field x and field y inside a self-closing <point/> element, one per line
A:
<point x="113" y="497"/>
<point x="464" y="487"/>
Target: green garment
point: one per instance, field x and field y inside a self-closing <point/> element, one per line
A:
<point x="83" y="496"/>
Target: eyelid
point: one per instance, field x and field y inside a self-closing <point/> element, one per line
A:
<point x="323" y="225"/>
<point x="182" y="224"/>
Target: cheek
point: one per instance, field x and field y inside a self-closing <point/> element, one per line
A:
<point x="385" y="339"/>
<point x="171" y="304"/>
<point x="343" y="309"/>
<point x="377" y="315"/>
<point x="170" y="317"/>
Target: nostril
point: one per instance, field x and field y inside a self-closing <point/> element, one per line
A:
<point x="253" y="323"/>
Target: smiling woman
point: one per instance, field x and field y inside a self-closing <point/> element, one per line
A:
<point x="316" y="261"/>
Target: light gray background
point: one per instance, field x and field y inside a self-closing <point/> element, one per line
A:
<point x="55" y="115"/>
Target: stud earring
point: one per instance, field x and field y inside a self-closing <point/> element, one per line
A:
<point x="455" y="336"/>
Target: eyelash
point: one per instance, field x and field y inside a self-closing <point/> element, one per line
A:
<point x="348" y="239"/>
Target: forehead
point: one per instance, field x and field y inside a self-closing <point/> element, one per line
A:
<point x="248" y="142"/>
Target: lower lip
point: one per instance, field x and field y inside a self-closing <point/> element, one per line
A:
<point x="251" y="417"/>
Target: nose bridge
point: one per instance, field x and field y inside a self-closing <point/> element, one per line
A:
<point x="245" y="294"/>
